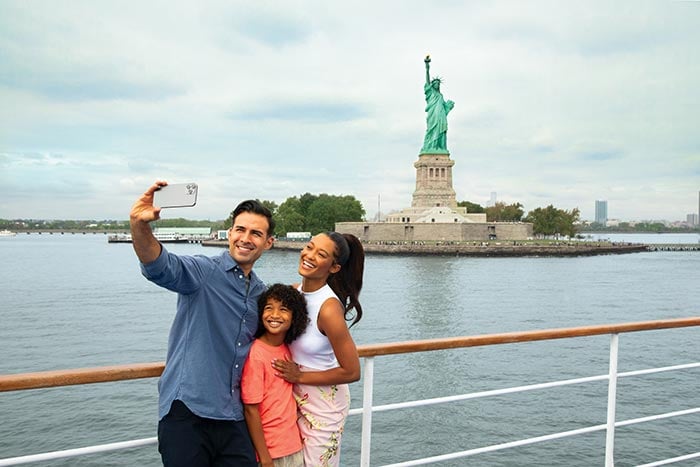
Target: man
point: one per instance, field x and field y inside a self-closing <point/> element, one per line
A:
<point x="200" y="410"/>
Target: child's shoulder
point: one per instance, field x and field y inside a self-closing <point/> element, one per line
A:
<point x="261" y="346"/>
<point x="284" y="350"/>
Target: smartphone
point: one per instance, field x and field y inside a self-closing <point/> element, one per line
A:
<point x="177" y="195"/>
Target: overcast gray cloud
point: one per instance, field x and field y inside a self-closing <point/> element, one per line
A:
<point x="555" y="103"/>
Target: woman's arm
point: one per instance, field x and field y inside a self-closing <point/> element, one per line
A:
<point x="254" y="422"/>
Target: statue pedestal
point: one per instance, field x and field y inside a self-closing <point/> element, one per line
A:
<point x="434" y="181"/>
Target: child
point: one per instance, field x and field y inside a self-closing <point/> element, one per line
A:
<point x="270" y="408"/>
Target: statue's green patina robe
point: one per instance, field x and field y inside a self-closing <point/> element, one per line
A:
<point x="436" y="109"/>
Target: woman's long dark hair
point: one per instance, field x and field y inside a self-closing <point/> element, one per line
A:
<point x="347" y="282"/>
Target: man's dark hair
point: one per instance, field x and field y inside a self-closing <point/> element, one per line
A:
<point x="254" y="206"/>
<point x="290" y="298"/>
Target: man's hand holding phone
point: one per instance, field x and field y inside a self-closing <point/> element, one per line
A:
<point x="143" y="210"/>
<point x="160" y="195"/>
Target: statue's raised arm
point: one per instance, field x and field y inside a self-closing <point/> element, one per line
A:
<point x="427" y="69"/>
<point x="436" y="108"/>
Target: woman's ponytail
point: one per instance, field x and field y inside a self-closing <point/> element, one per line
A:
<point x="347" y="283"/>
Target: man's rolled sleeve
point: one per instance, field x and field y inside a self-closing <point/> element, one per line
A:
<point x="181" y="274"/>
<point x="156" y="268"/>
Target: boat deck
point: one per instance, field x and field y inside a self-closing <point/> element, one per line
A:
<point x="369" y="353"/>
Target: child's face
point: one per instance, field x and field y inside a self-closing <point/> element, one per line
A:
<point x="276" y="317"/>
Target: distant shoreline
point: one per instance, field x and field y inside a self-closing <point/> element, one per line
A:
<point x="502" y="248"/>
<point x="70" y="231"/>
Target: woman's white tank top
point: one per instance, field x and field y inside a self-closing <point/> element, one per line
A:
<point x="312" y="349"/>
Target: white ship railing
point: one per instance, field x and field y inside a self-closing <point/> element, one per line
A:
<point x="369" y="353"/>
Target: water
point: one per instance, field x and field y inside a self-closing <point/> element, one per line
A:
<point x="72" y="301"/>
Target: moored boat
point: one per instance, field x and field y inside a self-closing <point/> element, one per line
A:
<point x="165" y="237"/>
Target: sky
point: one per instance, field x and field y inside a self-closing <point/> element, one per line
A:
<point x="556" y="103"/>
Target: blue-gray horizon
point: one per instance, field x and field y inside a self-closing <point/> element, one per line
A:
<point x="560" y="104"/>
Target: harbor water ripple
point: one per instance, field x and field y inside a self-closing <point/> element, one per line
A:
<point x="73" y="301"/>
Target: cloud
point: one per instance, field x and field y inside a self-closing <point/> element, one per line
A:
<point x="555" y="103"/>
<point x="272" y="27"/>
<point x="92" y="88"/>
<point x="317" y="112"/>
<point x="600" y="155"/>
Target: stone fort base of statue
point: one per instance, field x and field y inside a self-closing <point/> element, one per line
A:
<point x="480" y="249"/>
<point x="434" y="215"/>
<point x="410" y="232"/>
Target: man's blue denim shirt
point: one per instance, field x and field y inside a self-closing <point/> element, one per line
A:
<point x="216" y="318"/>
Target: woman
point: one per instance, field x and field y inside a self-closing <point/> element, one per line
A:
<point x="325" y="356"/>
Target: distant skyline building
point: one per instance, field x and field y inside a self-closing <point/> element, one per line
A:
<point x="692" y="219"/>
<point x="601" y="212"/>
<point x="492" y="199"/>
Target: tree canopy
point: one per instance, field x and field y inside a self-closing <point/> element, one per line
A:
<point x="502" y="212"/>
<point x="553" y="221"/>
<point x="546" y="221"/>
<point x="471" y="207"/>
<point x="314" y="213"/>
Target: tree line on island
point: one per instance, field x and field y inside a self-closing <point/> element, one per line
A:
<point x="318" y="213"/>
<point x="548" y="221"/>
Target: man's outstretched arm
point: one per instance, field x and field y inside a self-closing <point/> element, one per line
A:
<point x="143" y="212"/>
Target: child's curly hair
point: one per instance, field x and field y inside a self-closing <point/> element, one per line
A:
<point x="290" y="298"/>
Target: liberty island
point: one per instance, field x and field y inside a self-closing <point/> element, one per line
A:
<point x="434" y="215"/>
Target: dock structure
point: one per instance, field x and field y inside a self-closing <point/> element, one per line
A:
<point x="180" y="239"/>
<point x="673" y="246"/>
<point x="71" y="231"/>
<point x="170" y="235"/>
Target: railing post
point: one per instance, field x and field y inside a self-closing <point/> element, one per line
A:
<point x="367" y="389"/>
<point x="612" y="400"/>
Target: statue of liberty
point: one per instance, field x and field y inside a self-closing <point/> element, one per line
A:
<point x="435" y="141"/>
